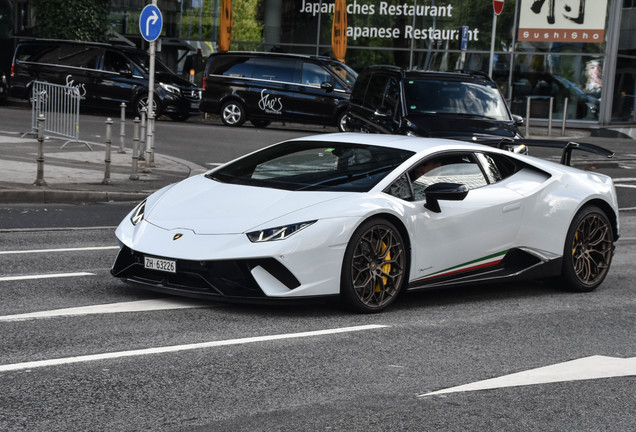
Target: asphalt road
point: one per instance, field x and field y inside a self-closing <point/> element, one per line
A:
<point x="82" y="351"/>
<point x="79" y="350"/>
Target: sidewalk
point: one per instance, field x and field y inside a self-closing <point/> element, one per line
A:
<point x="75" y="173"/>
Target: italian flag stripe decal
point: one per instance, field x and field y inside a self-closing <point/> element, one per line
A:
<point x="488" y="261"/>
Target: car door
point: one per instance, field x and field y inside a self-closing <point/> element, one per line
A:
<point x="272" y="89"/>
<point x="317" y="96"/>
<point x="116" y="81"/>
<point x="466" y="234"/>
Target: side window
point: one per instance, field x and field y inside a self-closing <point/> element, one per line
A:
<point x="497" y="167"/>
<point x="360" y="88"/>
<point x="454" y="168"/>
<point x="232" y="66"/>
<point x="314" y="75"/>
<point x="391" y="95"/>
<point x="79" y="56"/>
<point x="375" y="93"/>
<point x="273" y="69"/>
<point x="39" y="53"/>
<point x="115" y="62"/>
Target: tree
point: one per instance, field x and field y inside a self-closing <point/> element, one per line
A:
<point x="85" y="20"/>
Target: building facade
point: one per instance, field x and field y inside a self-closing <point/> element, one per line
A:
<point x="575" y="50"/>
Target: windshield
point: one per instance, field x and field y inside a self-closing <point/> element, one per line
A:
<point x="314" y="166"/>
<point x="343" y="71"/>
<point x="432" y="96"/>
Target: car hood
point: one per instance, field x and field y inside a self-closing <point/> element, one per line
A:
<point x="207" y="206"/>
<point x="460" y="127"/>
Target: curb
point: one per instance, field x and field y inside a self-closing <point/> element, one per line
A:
<point x="64" y="196"/>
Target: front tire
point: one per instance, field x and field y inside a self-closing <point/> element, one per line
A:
<point x="341" y="122"/>
<point x="233" y="114"/>
<point x="142" y="104"/>
<point x="374" y="267"/>
<point x="588" y="251"/>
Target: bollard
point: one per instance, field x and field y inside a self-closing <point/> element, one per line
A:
<point x="109" y="125"/>
<point x="527" y="117"/>
<point x="149" y="140"/>
<point x="39" y="180"/>
<point x="550" y="116"/>
<point x="135" y="150"/>
<point x="142" y="135"/>
<point x="565" y="116"/>
<point x="122" y="128"/>
<point x="152" y="145"/>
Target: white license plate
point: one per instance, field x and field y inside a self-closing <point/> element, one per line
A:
<point x="160" y="264"/>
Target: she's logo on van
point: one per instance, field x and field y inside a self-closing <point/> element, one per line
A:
<point x="269" y="104"/>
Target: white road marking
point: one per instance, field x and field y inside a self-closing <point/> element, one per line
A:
<point x="587" y="368"/>
<point x="135" y="306"/>
<point x="44" y="276"/>
<point x="79" y="249"/>
<point x="177" y="348"/>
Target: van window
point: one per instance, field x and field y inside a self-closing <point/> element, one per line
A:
<point x="232" y="66"/>
<point x="375" y="95"/>
<point x="314" y="75"/>
<point x="38" y="53"/>
<point x="115" y="62"/>
<point x="275" y="69"/>
<point x="78" y="56"/>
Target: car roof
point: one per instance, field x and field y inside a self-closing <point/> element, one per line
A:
<point x="417" y="73"/>
<point x="402" y="142"/>
<point x="271" y="54"/>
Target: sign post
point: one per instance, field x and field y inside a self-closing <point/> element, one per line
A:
<point x="497" y="6"/>
<point x="464" y="47"/>
<point x="150" y="26"/>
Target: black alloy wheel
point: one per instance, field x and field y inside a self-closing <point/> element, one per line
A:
<point x="374" y="268"/>
<point x="588" y="251"/>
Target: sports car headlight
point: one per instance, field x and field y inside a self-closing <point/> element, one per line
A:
<point x="170" y="88"/>
<point x="278" y="233"/>
<point x="138" y="213"/>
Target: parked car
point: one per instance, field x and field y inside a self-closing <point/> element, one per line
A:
<point x="363" y="217"/>
<point x="262" y="87"/>
<point x="463" y="106"/>
<point x="106" y="75"/>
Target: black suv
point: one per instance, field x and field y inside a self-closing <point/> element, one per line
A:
<point x="106" y="75"/>
<point x="262" y="87"/>
<point x="464" y="106"/>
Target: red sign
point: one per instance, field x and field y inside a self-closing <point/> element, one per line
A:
<point x="497" y="6"/>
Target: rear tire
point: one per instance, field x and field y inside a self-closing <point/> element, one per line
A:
<point x="341" y="122"/>
<point x="233" y="114"/>
<point x="374" y="268"/>
<point x="588" y="250"/>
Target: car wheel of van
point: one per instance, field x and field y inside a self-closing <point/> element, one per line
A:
<point x="233" y="114"/>
<point x="341" y="122"/>
<point x="141" y="104"/>
<point x="374" y="267"/>
<point x="587" y="254"/>
<point x="260" y="123"/>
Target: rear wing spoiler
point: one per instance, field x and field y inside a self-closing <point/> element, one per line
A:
<point x="567" y="147"/>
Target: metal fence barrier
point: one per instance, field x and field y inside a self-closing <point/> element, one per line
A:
<point x="60" y="106"/>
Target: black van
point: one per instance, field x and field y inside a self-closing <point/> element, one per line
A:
<point x="106" y="76"/>
<point x="262" y="87"/>
<point x="463" y="106"/>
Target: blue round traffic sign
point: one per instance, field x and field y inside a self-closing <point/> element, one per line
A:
<point x="150" y="23"/>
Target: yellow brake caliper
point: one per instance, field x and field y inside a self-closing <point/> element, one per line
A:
<point x="386" y="268"/>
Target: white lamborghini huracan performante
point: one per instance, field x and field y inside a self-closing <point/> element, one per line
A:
<point x="366" y="217"/>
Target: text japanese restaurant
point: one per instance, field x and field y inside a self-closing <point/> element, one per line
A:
<point x="580" y="50"/>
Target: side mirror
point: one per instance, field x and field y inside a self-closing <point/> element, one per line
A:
<point x="327" y="86"/>
<point x="519" y="121"/>
<point x="125" y="72"/>
<point x="383" y="113"/>
<point x="443" y="191"/>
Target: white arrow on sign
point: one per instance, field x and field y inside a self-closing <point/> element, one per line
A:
<point x="151" y="20"/>
<point x="587" y="368"/>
